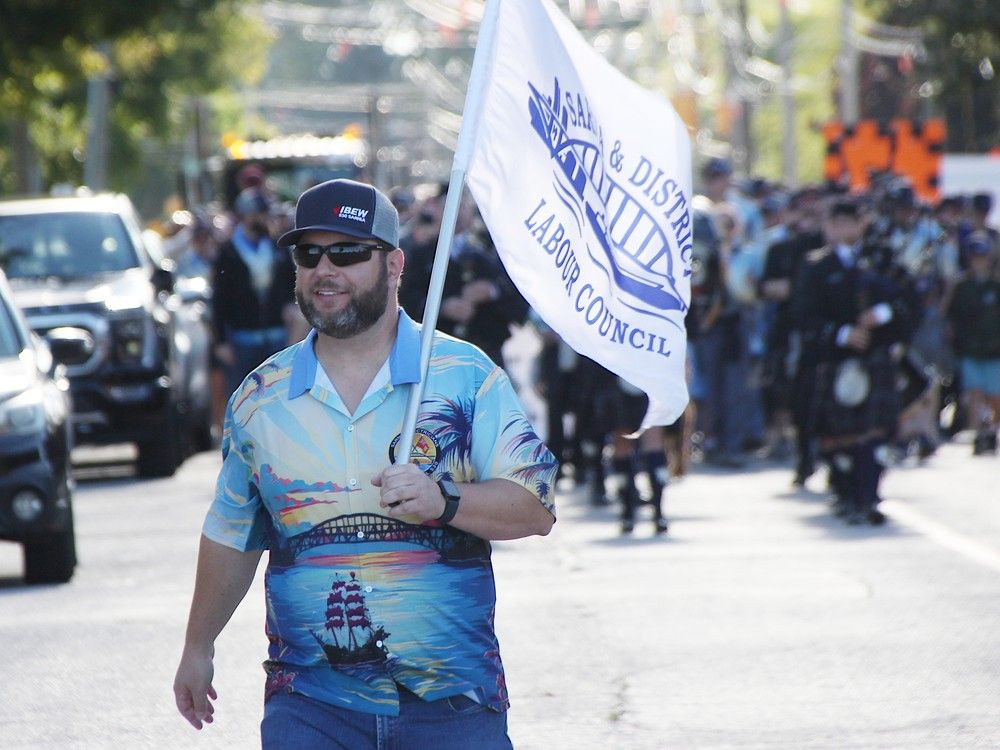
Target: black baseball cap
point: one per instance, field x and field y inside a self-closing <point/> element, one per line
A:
<point x="716" y="167"/>
<point x="345" y="206"/>
<point x="846" y="207"/>
<point x="982" y="203"/>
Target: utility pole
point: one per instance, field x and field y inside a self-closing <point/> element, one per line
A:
<point x="191" y="164"/>
<point x="744" y="125"/>
<point x="737" y="128"/>
<point x="378" y="168"/>
<point x="95" y="165"/>
<point x="849" y="104"/>
<point x="789" y="143"/>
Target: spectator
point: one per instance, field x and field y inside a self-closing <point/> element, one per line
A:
<point x="479" y="302"/>
<point x="253" y="287"/>
<point x="974" y="313"/>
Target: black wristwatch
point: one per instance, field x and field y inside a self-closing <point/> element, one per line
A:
<point x="451" y="499"/>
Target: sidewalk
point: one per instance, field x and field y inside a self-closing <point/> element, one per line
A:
<point x="760" y="621"/>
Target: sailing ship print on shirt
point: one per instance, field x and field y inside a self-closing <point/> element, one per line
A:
<point x="352" y="637"/>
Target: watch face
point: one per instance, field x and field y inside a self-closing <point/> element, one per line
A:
<point x="449" y="489"/>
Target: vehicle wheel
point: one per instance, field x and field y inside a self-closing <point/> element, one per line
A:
<point x="161" y="456"/>
<point x="51" y="558"/>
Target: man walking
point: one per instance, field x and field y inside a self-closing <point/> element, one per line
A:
<point x="852" y="317"/>
<point x="379" y="586"/>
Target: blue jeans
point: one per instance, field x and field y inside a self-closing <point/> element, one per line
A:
<point x="720" y="376"/>
<point x="296" y="722"/>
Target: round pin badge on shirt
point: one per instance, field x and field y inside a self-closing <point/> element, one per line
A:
<point x="424" y="453"/>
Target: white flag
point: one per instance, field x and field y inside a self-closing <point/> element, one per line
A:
<point x="584" y="181"/>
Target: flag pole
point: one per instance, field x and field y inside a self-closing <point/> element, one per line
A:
<point x="481" y="63"/>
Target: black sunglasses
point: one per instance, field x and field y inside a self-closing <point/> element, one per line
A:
<point x="340" y="254"/>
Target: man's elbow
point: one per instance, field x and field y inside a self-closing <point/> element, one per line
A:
<point x="543" y="524"/>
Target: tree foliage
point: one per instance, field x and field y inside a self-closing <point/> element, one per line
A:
<point x="962" y="69"/>
<point x="157" y="58"/>
<point x="814" y="51"/>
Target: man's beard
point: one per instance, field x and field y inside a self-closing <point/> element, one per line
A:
<point x="361" y="313"/>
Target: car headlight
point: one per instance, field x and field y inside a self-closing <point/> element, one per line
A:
<point x="130" y="336"/>
<point x="23" y="414"/>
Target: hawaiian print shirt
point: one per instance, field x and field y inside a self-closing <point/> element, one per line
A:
<point x="359" y="602"/>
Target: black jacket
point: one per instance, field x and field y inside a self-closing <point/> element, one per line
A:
<point x="829" y="295"/>
<point x="784" y="261"/>
<point x="235" y="304"/>
<point x="974" y="314"/>
<point x="489" y="328"/>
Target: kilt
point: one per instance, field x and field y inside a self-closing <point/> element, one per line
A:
<point x="878" y="411"/>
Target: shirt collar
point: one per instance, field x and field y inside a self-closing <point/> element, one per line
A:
<point x="847" y="254"/>
<point x="404" y="359"/>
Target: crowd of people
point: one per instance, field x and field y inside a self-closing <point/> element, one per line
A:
<point x="826" y="326"/>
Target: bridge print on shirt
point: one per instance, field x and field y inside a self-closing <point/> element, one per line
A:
<point x="373" y="528"/>
<point x="360" y="603"/>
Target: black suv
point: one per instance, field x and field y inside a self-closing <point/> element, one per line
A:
<point x="35" y="440"/>
<point x="136" y="352"/>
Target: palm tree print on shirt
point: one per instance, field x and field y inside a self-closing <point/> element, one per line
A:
<point x="450" y="421"/>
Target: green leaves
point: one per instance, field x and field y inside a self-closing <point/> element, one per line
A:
<point x="963" y="50"/>
<point x="157" y="55"/>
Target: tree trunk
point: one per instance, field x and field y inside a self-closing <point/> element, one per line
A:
<point x="26" y="167"/>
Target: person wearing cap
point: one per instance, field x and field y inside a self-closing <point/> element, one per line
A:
<point x="479" y="302"/>
<point x="379" y="587"/>
<point x="851" y="316"/>
<point x="915" y="241"/>
<point x="252" y="291"/>
<point x="974" y="315"/>
<point x="979" y="207"/>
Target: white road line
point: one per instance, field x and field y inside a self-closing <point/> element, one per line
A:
<point x="941" y="534"/>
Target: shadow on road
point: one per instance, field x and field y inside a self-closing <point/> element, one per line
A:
<point x="11" y="582"/>
<point x="838" y="529"/>
<point x="637" y="539"/>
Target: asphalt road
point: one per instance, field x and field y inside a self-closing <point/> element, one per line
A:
<point x="758" y="622"/>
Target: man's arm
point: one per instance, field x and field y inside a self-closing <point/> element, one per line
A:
<point x="223" y="578"/>
<point x="494" y="509"/>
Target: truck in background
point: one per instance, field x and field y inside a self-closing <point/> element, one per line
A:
<point x="290" y="164"/>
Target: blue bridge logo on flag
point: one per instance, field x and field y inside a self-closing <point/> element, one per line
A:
<point x="619" y="211"/>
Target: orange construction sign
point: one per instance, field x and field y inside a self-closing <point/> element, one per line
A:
<point x="909" y="149"/>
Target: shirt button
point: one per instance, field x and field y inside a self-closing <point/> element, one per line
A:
<point x="350" y="428"/>
<point x="353" y="482"/>
<point x="361" y="535"/>
<point x="368" y="589"/>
